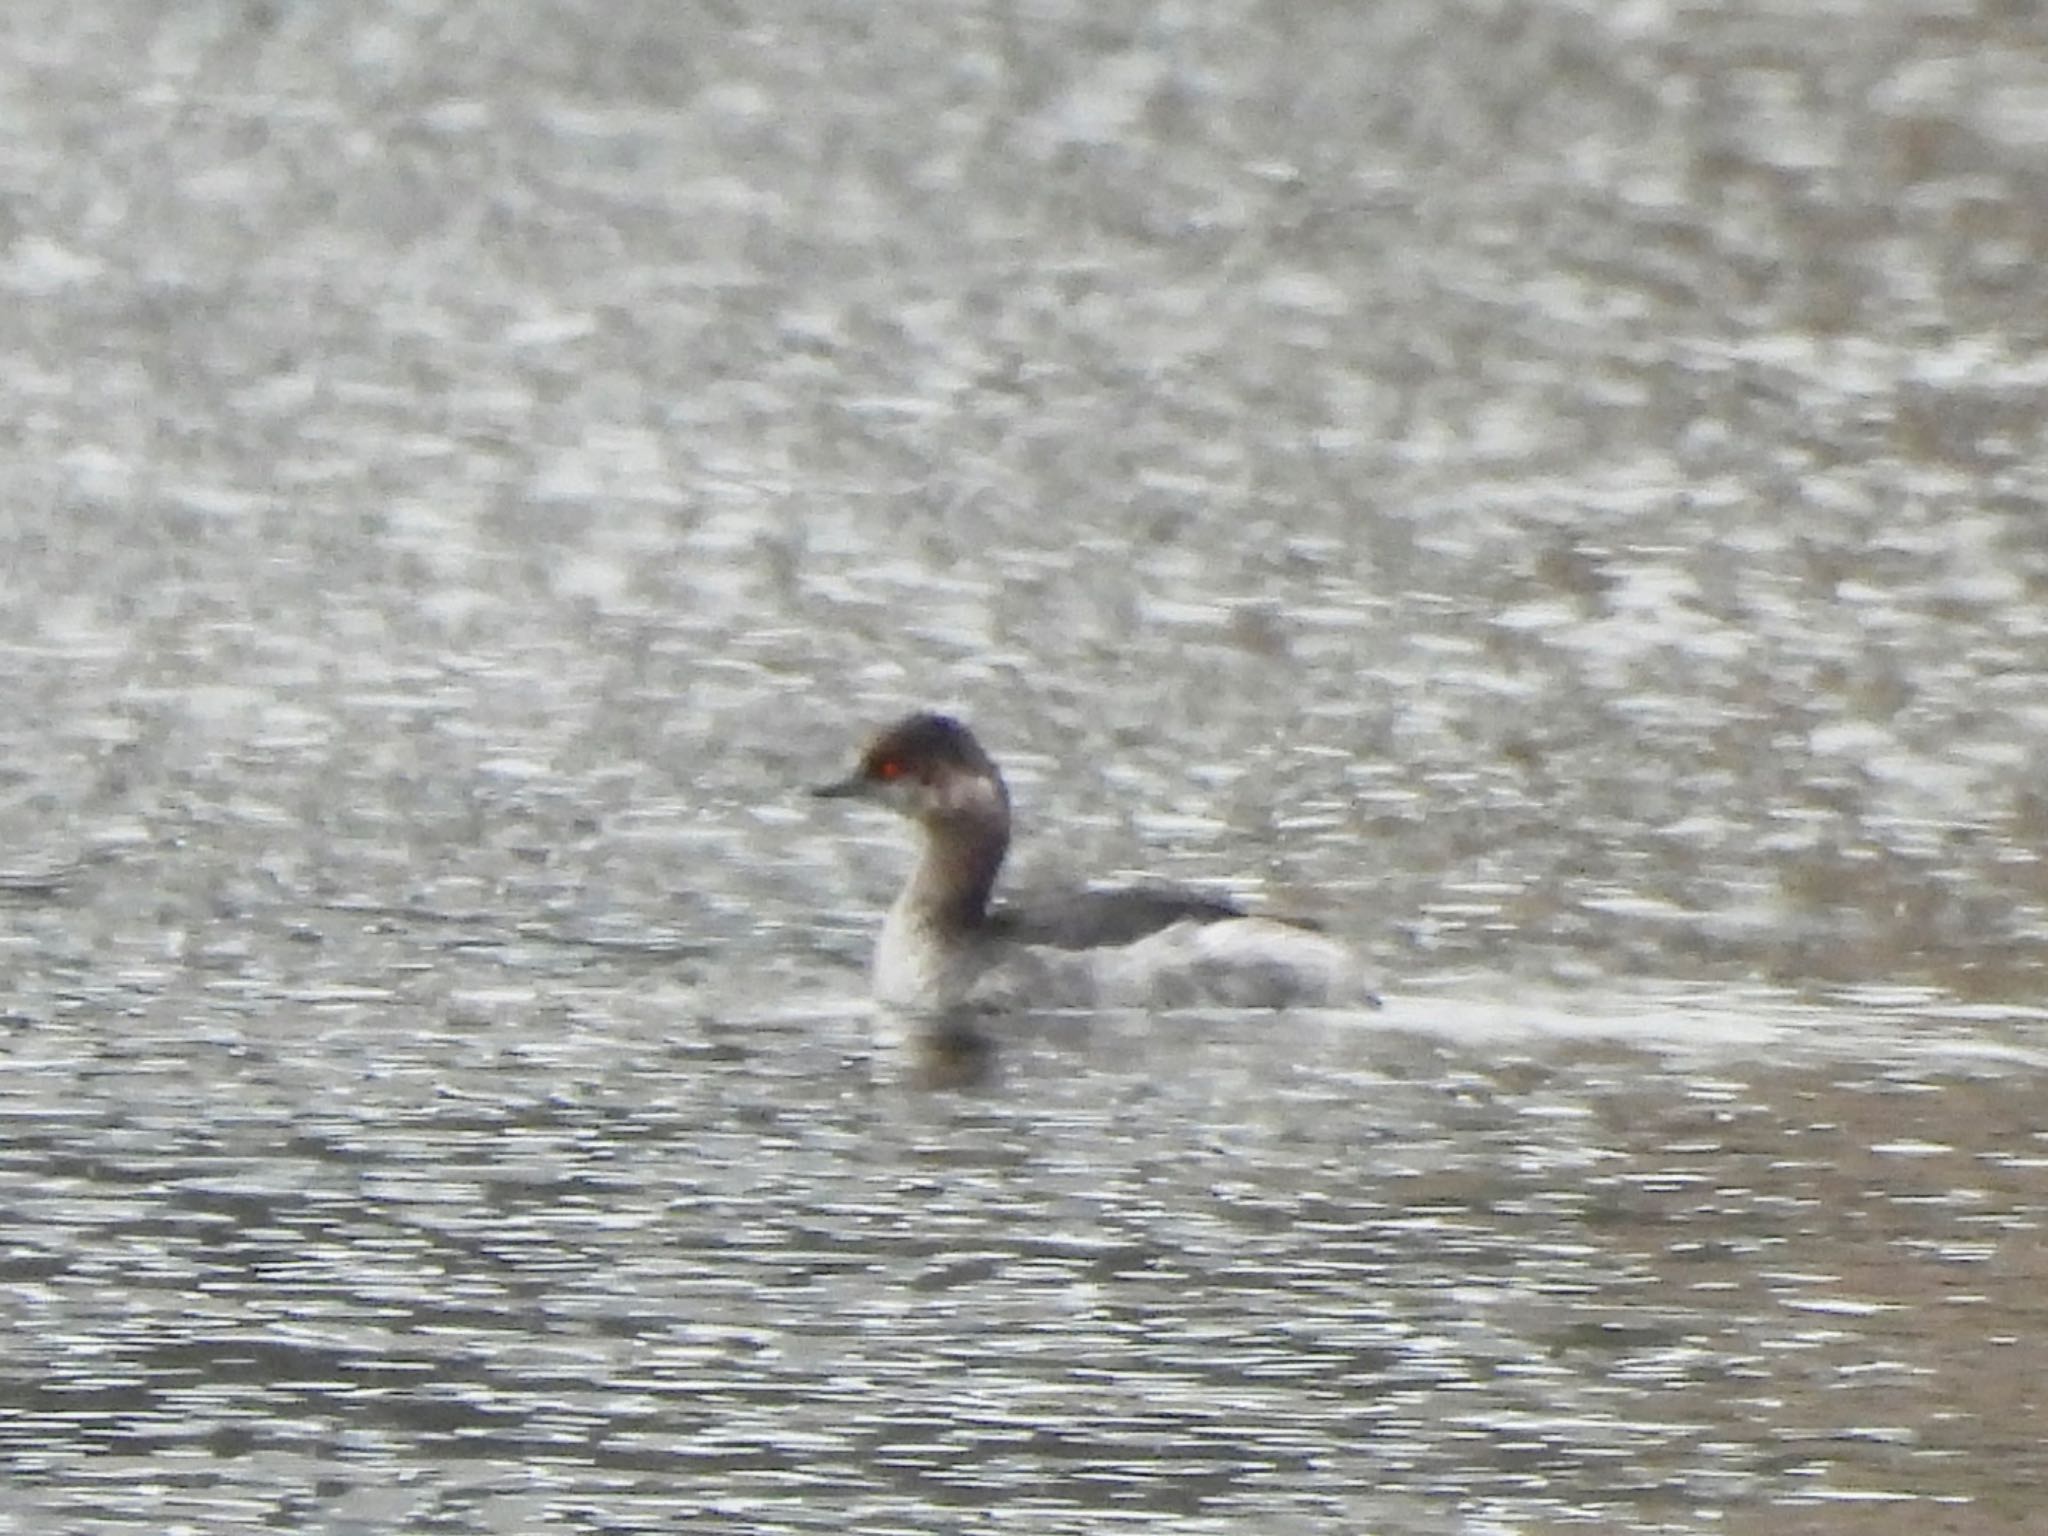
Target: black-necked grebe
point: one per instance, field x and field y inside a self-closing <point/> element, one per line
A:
<point x="946" y="943"/>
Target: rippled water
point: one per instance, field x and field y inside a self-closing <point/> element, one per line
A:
<point x="578" y="1257"/>
<point x="1552" y="489"/>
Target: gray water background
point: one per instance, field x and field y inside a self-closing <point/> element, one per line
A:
<point x="1554" y="490"/>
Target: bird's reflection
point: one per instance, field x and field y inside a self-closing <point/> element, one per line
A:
<point x="950" y="1050"/>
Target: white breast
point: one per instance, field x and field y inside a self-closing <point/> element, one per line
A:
<point x="1238" y="963"/>
<point x="916" y="968"/>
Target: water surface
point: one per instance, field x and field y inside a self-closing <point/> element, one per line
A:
<point x="1552" y="490"/>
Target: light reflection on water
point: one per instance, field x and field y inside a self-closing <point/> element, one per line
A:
<point x="1207" y="1267"/>
<point x="1549" y="489"/>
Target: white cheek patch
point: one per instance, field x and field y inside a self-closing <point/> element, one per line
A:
<point x="968" y="794"/>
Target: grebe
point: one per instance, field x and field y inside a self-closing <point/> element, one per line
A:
<point x="946" y="943"/>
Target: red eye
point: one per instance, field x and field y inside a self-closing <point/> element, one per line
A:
<point x="889" y="768"/>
